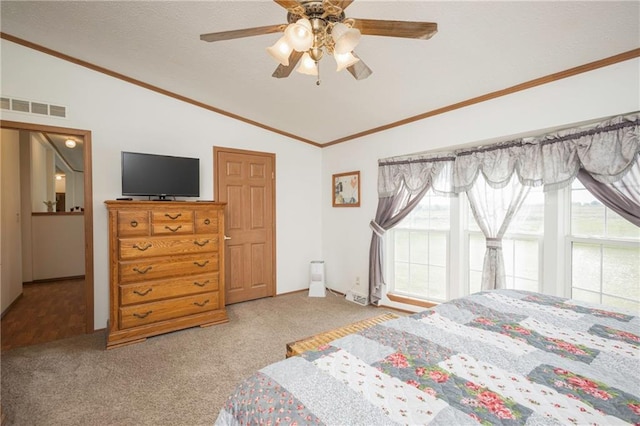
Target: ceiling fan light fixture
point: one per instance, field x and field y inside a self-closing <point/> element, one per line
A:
<point x="316" y="27"/>
<point x="345" y="38"/>
<point x="307" y="65"/>
<point x="280" y="51"/>
<point x="70" y="143"/>
<point x="299" y="35"/>
<point x="344" y="60"/>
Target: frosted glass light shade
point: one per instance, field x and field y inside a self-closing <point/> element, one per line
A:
<point x="307" y="65"/>
<point x="70" y="143"/>
<point x="280" y="51"/>
<point x="299" y="35"/>
<point x="344" y="60"/>
<point x="345" y="38"/>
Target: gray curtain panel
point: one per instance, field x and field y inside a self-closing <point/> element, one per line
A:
<point x="623" y="197"/>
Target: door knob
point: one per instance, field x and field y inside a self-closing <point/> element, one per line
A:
<point x="227" y="238"/>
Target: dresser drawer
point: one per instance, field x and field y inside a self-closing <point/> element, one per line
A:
<point x="147" y="313"/>
<point x="175" y="228"/>
<point x="133" y="222"/>
<point x="166" y="267"/>
<point x="164" y="289"/>
<point x="207" y="221"/>
<point x="135" y="248"/>
<point x="172" y="216"/>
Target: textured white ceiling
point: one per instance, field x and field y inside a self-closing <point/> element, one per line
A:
<point x="480" y="47"/>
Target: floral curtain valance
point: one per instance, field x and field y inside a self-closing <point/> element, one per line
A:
<point x="606" y="150"/>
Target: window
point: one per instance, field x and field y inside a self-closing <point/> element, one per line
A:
<point x="605" y="253"/>
<point x="420" y="250"/>
<point x="563" y="243"/>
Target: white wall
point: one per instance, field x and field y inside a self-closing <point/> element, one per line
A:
<point x="57" y="246"/>
<point x="122" y="116"/>
<point x="601" y="93"/>
<point x="10" y="247"/>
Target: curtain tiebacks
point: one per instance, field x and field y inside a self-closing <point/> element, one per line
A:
<point x="494" y="243"/>
<point x="379" y="230"/>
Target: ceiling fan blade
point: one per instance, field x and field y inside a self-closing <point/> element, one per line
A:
<point x="247" y="32"/>
<point x="359" y="70"/>
<point x="407" y="29"/>
<point x="284" y="70"/>
<point x="292" y="6"/>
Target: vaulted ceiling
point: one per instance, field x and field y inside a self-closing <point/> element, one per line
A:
<point x="481" y="47"/>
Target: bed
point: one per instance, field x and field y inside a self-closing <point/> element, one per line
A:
<point x="495" y="357"/>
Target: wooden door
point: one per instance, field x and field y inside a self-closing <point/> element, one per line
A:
<point x="245" y="180"/>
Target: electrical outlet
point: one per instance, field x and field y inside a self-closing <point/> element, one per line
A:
<point x="357" y="281"/>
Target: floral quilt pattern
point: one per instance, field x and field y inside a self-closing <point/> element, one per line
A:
<point x="497" y="357"/>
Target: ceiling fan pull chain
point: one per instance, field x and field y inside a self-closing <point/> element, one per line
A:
<point x="318" y="76"/>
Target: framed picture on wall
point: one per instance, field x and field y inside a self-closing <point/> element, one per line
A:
<point x="346" y="189"/>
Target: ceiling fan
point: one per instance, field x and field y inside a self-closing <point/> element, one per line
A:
<point x="316" y="27"/>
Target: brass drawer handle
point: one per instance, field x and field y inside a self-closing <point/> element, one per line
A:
<point x="142" y="293"/>
<point x="173" y="229"/>
<point x="173" y="217"/>
<point x="142" y="247"/>
<point x="141" y="316"/>
<point x="134" y="223"/>
<point x="203" y="264"/>
<point x="201" y="284"/>
<point x="207" y="221"/>
<point x="142" y="271"/>
<point x="201" y="244"/>
<point x="201" y="304"/>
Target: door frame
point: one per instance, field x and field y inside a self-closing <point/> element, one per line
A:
<point x="88" y="205"/>
<point x="216" y="191"/>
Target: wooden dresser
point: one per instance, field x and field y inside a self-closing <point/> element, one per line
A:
<point x="166" y="263"/>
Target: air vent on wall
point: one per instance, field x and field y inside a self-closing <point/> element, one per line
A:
<point x="40" y="108"/>
<point x="18" y="105"/>
<point x="57" y="111"/>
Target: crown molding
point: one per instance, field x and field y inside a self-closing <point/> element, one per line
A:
<point x="625" y="56"/>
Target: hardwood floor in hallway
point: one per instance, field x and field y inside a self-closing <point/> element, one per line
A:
<point x="46" y="311"/>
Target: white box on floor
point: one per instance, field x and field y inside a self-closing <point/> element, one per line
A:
<point x="316" y="280"/>
<point x="317" y="290"/>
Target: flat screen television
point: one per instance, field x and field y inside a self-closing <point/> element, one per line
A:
<point x="161" y="176"/>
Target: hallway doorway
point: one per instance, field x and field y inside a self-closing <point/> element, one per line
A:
<point x="78" y="289"/>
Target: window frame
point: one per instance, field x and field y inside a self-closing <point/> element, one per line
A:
<point x="450" y="273"/>
<point x="569" y="239"/>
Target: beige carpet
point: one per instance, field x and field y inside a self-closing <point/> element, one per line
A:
<point x="181" y="378"/>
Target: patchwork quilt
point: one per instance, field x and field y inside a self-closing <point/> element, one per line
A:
<point x="497" y="357"/>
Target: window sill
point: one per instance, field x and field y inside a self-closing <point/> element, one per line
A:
<point x="410" y="301"/>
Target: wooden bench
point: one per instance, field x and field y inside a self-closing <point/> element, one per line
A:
<point x="312" y="342"/>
